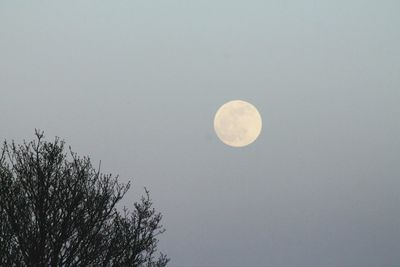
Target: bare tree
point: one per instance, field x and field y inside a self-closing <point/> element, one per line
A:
<point x="56" y="209"/>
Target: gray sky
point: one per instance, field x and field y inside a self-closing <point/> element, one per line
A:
<point x="136" y="84"/>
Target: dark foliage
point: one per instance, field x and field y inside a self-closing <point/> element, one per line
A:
<point x="56" y="209"/>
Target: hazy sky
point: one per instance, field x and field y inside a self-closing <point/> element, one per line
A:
<point x="136" y="84"/>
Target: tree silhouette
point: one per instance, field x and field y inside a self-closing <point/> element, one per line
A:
<point x="56" y="209"/>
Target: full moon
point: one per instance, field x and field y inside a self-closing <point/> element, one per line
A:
<point x="237" y="123"/>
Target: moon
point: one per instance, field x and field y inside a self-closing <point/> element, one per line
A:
<point x="237" y="123"/>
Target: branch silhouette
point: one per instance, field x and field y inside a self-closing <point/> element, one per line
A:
<point x="56" y="209"/>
